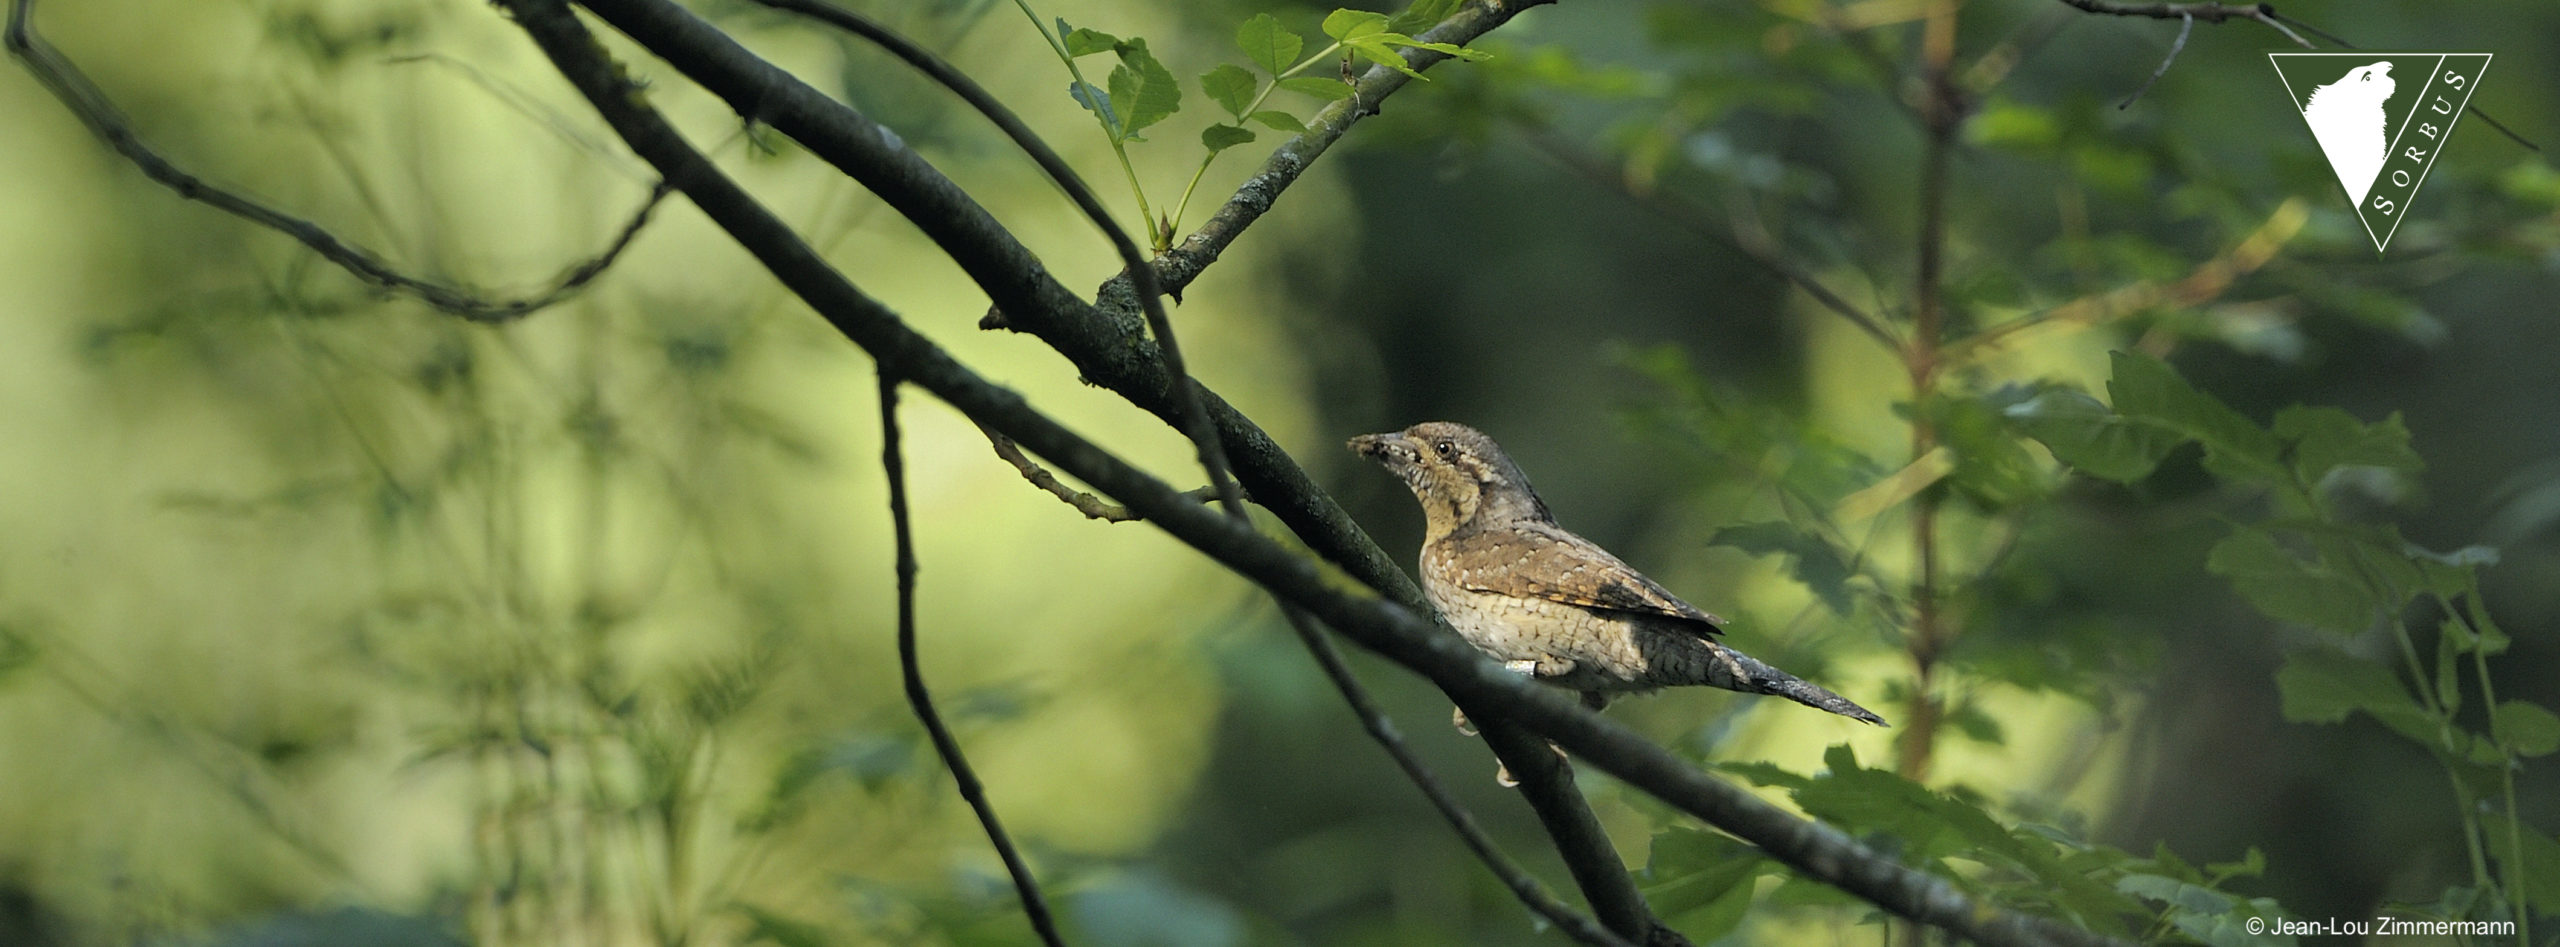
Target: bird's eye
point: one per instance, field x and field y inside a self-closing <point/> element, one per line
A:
<point x="1446" y="448"/>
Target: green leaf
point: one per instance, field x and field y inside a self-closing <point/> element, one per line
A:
<point x="1423" y="15"/>
<point x="2145" y="388"/>
<point x="1268" y="44"/>
<point x="2290" y="589"/>
<point x="1822" y="568"/>
<point x="1322" y="87"/>
<point x="2536" y="859"/>
<point x="1378" y="48"/>
<point x="1969" y="719"/>
<point x="1082" y="42"/>
<point x="1230" y="86"/>
<point x="2327" y="438"/>
<point x="2323" y="687"/>
<point x="1098" y="102"/>
<point x="1461" y="53"/>
<point x="1692" y="868"/>
<point x="2527" y="728"/>
<point x="1143" y="91"/>
<point x="1219" y="138"/>
<point x="1279" y="120"/>
<point x="1764" y="774"/>
<point x="2081" y="432"/>
<point x="1347" y="26"/>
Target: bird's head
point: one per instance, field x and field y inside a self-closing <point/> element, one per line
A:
<point x="1458" y="473"/>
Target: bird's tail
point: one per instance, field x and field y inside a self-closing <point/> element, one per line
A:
<point x="1768" y="680"/>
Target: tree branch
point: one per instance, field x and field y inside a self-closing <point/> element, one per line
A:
<point x="1034" y="907"/>
<point x="60" y="76"/>
<point x="1196" y="425"/>
<point x="1819" y="851"/>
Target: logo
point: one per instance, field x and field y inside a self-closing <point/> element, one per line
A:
<point x="2381" y="118"/>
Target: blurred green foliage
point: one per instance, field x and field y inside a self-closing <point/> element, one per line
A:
<point x="325" y="619"/>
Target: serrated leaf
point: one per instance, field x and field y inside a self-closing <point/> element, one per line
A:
<point x="1219" y="138"/>
<point x="2083" y="433"/>
<point x="2287" y="588"/>
<point x="1230" y="86"/>
<point x="2327" y="438"/>
<point x="1422" y="15"/>
<point x="2146" y="389"/>
<point x="1328" y="89"/>
<point x="1268" y="44"/>
<point x="1691" y="868"/>
<point x="2527" y="728"/>
<point x="1822" y="567"/>
<point x="1281" y="121"/>
<point x="2321" y="686"/>
<point x="1098" y="102"/>
<point x="1143" y="91"/>
<point x="1346" y="26"/>
<point x="1081" y="42"/>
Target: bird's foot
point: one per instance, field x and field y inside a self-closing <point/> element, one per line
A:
<point x="1502" y="771"/>
<point x="1458" y="719"/>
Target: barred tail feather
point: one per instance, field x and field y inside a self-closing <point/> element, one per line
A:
<point x="1768" y="680"/>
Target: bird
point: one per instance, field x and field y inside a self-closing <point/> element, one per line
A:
<point x="1547" y="603"/>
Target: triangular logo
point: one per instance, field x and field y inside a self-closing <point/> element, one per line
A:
<point x="2381" y="117"/>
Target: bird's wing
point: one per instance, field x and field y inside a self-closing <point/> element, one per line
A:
<point x="1540" y="560"/>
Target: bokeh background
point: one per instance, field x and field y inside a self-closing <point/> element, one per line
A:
<point x="325" y="616"/>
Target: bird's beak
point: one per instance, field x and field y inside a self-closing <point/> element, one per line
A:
<point x="1392" y="448"/>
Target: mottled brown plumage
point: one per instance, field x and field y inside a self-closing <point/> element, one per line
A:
<point x="1551" y="604"/>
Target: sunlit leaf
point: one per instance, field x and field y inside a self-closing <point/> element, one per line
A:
<point x="1230" y="86"/>
<point x="1219" y="138"/>
<point x="1268" y="44"/>
<point x="1319" y="86"/>
<point x="1422" y="15"/>
<point x="1083" y="42"/>
<point x="1279" y="120"/>
<point x="1143" y="92"/>
<point x="1347" y="26"/>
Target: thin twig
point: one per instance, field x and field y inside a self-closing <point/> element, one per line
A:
<point x="1034" y="907"/>
<point x="2263" y="13"/>
<point x="2308" y="28"/>
<point x="1091" y="506"/>
<point x="2186" y="25"/>
<point x="2278" y="21"/>
<point x="92" y="106"/>
<point x="1819" y="851"/>
<point x="1196" y="424"/>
